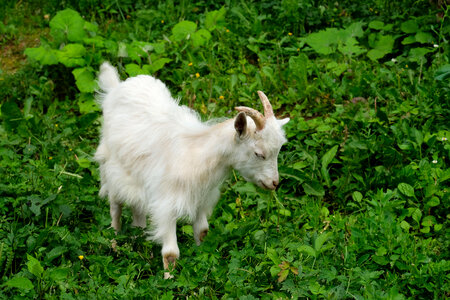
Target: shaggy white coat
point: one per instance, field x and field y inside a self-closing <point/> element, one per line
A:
<point x="160" y="159"/>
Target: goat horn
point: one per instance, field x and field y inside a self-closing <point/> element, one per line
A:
<point x="268" y="111"/>
<point x="257" y="117"/>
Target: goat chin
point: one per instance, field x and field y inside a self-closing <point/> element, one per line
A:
<point x="157" y="157"/>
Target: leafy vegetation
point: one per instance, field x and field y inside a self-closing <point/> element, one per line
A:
<point x="362" y="208"/>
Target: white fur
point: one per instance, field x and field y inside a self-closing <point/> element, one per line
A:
<point x="161" y="160"/>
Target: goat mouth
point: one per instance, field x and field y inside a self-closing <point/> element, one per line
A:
<point x="264" y="186"/>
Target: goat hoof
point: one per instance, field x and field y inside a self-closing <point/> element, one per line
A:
<point x="167" y="275"/>
<point x="170" y="261"/>
<point x="114" y="245"/>
<point x="202" y="235"/>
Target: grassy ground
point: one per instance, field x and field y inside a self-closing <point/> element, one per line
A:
<point x="362" y="208"/>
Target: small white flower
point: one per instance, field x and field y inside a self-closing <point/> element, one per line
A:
<point x="443" y="139"/>
<point x="434" y="161"/>
<point x="394" y="60"/>
<point x="436" y="46"/>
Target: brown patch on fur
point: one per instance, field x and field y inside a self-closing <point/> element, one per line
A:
<point x="170" y="261"/>
<point x="202" y="235"/>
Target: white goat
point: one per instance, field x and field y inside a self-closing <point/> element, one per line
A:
<point x="160" y="159"/>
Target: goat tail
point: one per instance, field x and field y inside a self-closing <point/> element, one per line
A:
<point x="108" y="78"/>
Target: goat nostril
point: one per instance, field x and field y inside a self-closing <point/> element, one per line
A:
<point x="275" y="183"/>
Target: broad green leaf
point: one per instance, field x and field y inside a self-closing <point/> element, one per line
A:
<point x="316" y="288"/>
<point x="381" y="251"/>
<point x="87" y="104"/>
<point x="43" y="54"/>
<point x="300" y="165"/>
<point x="418" y="136"/>
<point x="354" y="30"/>
<point x="382" y="46"/>
<point x="67" y="24"/>
<point x="428" y="221"/>
<point x="381" y="260"/>
<point x="406" y="189"/>
<point x="329" y="156"/>
<point x="283" y="275"/>
<point x="145" y="47"/>
<point x="357" y="196"/>
<point x="308" y="250"/>
<point x="83" y="162"/>
<point x="274" y="270"/>
<point x="320" y="240"/>
<point x="200" y="37"/>
<point x="424" y="37"/>
<point x="416" y="215"/>
<point x="55" y="252"/>
<point x="378" y="25"/>
<point x="324" y="41"/>
<point x="425" y="229"/>
<point x="90" y="27"/>
<point x="405" y="225"/>
<point x="438" y="227"/>
<point x="376" y="54"/>
<point x="59" y="274"/>
<point x="314" y="188"/>
<point x="434" y="201"/>
<point x="22" y="283"/>
<point x="339" y="68"/>
<point x="183" y="30"/>
<point x="35" y="208"/>
<point x="442" y="73"/>
<point x="418" y="54"/>
<point x="268" y="72"/>
<point x="350" y="48"/>
<point x="85" y="80"/>
<point x="215" y="19"/>
<point x="134" y="70"/>
<point x="284" y="212"/>
<point x="324" y="212"/>
<point x="34" y="266"/>
<point x="187" y="229"/>
<point x="96" y="41"/>
<point x="159" y="48"/>
<point x="326" y="160"/>
<point x="72" y="55"/>
<point x="27" y="108"/>
<point x="273" y="255"/>
<point x="409" y="26"/>
<point x="409" y="40"/>
<point x="156" y="65"/>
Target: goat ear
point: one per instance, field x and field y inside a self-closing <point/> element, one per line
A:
<point x="240" y="123"/>
<point x="283" y="121"/>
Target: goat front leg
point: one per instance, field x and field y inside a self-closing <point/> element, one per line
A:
<point x="170" y="251"/>
<point x="139" y="218"/>
<point x="200" y="227"/>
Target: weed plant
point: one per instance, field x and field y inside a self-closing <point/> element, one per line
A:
<point x="362" y="210"/>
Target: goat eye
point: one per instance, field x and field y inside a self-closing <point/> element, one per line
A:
<point x="259" y="155"/>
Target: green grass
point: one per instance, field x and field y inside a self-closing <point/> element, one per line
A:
<point x="362" y="208"/>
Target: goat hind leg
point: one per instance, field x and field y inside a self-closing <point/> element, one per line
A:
<point x="139" y="218"/>
<point x="200" y="228"/>
<point x="115" y="209"/>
